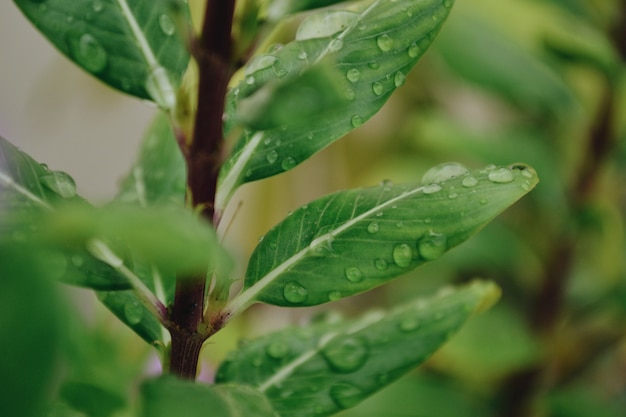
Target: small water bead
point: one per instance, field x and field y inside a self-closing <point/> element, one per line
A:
<point x="90" y="54"/>
<point x="271" y="156"/>
<point x="381" y="264"/>
<point x="444" y="172"/>
<point x="250" y="80"/>
<point x="448" y="3"/>
<point x="353" y="75"/>
<point x="373" y="227"/>
<point x="97" y="6"/>
<point x="167" y="25"/>
<point x="295" y="293"/>
<point x="378" y="88"/>
<point x="399" y="79"/>
<point x="384" y="42"/>
<point x="354" y="274"/>
<point x="409" y="324"/>
<point x="275" y="47"/>
<point x="346" y="355"/>
<point x="525" y="186"/>
<point x="280" y="72"/>
<point x="133" y="312"/>
<point x="469" y="182"/>
<point x="483" y="201"/>
<point x="334" y="296"/>
<point x="452" y="196"/>
<point x="432" y="246"/>
<point x="335" y="45"/>
<point x="414" y="50"/>
<point x="356" y="120"/>
<point x="303" y="55"/>
<point x="60" y="183"/>
<point x="346" y="395"/>
<point x="431" y="189"/>
<point x="501" y="176"/>
<point x="402" y="255"/>
<point x="288" y="163"/>
<point x="374" y="65"/>
<point x="349" y="94"/>
<point x="277" y="350"/>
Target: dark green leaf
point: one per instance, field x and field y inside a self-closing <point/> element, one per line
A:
<point x="27" y="189"/>
<point x="374" y="48"/>
<point x="158" y="175"/>
<point x="355" y="240"/>
<point x="167" y="397"/>
<point x="90" y="399"/>
<point x="132" y="45"/>
<point x="327" y="367"/>
<point x="30" y="331"/>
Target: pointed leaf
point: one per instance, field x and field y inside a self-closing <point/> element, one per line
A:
<point x="28" y="188"/>
<point x="168" y="396"/>
<point x="355" y="240"/>
<point x="324" y="368"/>
<point x="132" y="45"/>
<point x="158" y="176"/>
<point x="374" y="49"/>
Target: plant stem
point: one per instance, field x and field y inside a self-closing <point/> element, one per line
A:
<point x="212" y="52"/>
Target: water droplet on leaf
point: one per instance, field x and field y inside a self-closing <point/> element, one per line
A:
<point x="133" y="312"/>
<point x="167" y="25"/>
<point x="335" y="45"/>
<point x="349" y="94"/>
<point x="277" y="350"/>
<point x="271" y="156"/>
<point x="353" y="75"/>
<point x="346" y="395"/>
<point x="414" y="50"/>
<point x="469" y="182"/>
<point x="432" y="246"/>
<point x="354" y="274"/>
<point x="501" y="176"/>
<point x="399" y="79"/>
<point x="295" y="293"/>
<point x="356" y="120"/>
<point x="97" y="6"/>
<point x="346" y="355"/>
<point x="402" y="255"/>
<point x="60" y="183"/>
<point x="381" y="264"/>
<point x="288" y="163"/>
<point x="373" y="227"/>
<point x="384" y="42"/>
<point x="409" y="323"/>
<point x="90" y="54"/>
<point x="374" y="65"/>
<point x="378" y="88"/>
<point x="431" y="188"/>
<point x="444" y="172"/>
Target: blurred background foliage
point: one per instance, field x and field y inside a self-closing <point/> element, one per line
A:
<point x="536" y="81"/>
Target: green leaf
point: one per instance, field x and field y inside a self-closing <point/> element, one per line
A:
<point x="94" y="401"/>
<point x="30" y="330"/>
<point x="374" y="48"/>
<point x="279" y="9"/>
<point x="167" y="396"/>
<point x="132" y="45"/>
<point x="158" y="176"/>
<point x="355" y="240"/>
<point x="327" y="367"/>
<point x="27" y="189"/>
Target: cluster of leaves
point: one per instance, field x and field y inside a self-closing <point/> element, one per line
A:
<point x="287" y="103"/>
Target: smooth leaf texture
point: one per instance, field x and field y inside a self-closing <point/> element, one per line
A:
<point x="132" y="45"/>
<point x="277" y="9"/>
<point x="355" y="240"/>
<point x="158" y="176"/>
<point x="327" y="367"/>
<point x="168" y="396"/>
<point x="374" y="49"/>
<point x="28" y="188"/>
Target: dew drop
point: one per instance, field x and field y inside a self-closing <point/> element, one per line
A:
<point x="373" y="227"/>
<point x="414" y="50"/>
<point x="346" y="355"/>
<point x="354" y="274"/>
<point x="381" y="264"/>
<point x="97" y="6"/>
<point x="378" y="88"/>
<point x="356" y="120"/>
<point x="133" y="312"/>
<point x="288" y="163"/>
<point x="277" y="350"/>
<point x="295" y="293"/>
<point x="90" y="54"/>
<point x="334" y="295"/>
<point x="349" y="94"/>
<point x="60" y="183"/>
<point x="271" y="156"/>
<point x="373" y="65"/>
<point x="384" y="42"/>
<point x="346" y="395"/>
<point x="335" y="45"/>
<point x="432" y="246"/>
<point x="167" y="25"/>
<point x="399" y="79"/>
<point x="353" y="75"/>
<point x="452" y="196"/>
<point x="444" y="172"/>
<point x="303" y="55"/>
<point x="402" y="255"/>
<point x="469" y="182"/>
<point x="448" y="3"/>
<point x="431" y="188"/>
<point x="250" y="80"/>
<point x="409" y="323"/>
<point x="501" y="176"/>
<point x="483" y="201"/>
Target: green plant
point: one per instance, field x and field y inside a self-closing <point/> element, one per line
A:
<point x="240" y="110"/>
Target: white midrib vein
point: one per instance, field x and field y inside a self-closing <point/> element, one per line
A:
<point x="247" y="297"/>
<point x="163" y="83"/>
<point x="227" y="187"/>
<point x="289" y="368"/>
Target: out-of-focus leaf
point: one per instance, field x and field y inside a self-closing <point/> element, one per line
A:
<point x="279" y="9"/>
<point x="374" y="48"/>
<point x="483" y="55"/>
<point x="167" y="396"/>
<point x="583" y="401"/>
<point x="30" y="330"/>
<point x="158" y="175"/>
<point x="355" y="240"/>
<point x="132" y="45"/>
<point x="27" y="189"/>
<point x="91" y="400"/>
<point x="327" y="367"/>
